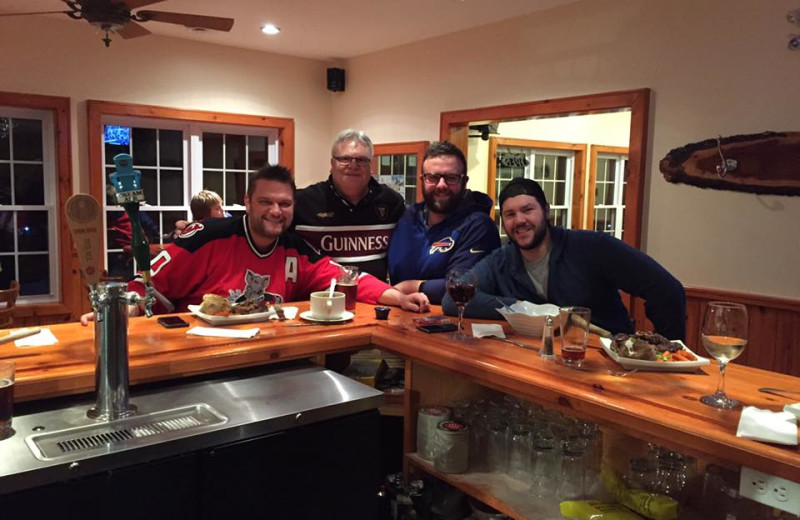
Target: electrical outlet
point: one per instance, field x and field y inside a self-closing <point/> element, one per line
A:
<point x="770" y="490"/>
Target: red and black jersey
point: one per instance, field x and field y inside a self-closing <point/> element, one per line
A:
<point x="218" y="256"/>
<point x="350" y="234"/>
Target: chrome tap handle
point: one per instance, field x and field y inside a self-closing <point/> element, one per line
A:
<point x="133" y="298"/>
<point x="98" y="300"/>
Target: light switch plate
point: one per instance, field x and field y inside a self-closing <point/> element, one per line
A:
<point x="770" y="490"/>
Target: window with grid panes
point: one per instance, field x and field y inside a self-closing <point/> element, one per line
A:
<point x="28" y="204"/>
<point x="223" y="159"/>
<point x="400" y="172"/>
<point x="554" y="170"/>
<point x="609" y="193"/>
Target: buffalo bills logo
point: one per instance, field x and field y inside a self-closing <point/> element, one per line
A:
<point x="191" y="230"/>
<point x="442" y="246"/>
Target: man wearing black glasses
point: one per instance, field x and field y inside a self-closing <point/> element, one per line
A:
<point x="450" y="228"/>
<point x="350" y="216"/>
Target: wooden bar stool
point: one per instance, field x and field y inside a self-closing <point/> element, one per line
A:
<point x="9" y="297"/>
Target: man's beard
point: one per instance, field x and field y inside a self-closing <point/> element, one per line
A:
<point x="443" y="207"/>
<point x="538" y="237"/>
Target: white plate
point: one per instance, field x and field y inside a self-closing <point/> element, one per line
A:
<point x="347" y="315"/>
<point x="233" y="319"/>
<point x="664" y="366"/>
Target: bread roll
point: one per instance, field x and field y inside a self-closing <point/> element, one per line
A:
<point x="215" y="305"/>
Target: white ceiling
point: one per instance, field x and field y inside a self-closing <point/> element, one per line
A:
<point x="321" y="29"/>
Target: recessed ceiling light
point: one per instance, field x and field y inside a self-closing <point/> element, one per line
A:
<point x="270" y="29"/>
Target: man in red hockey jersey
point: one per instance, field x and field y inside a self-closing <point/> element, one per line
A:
<point x="254" y="255"/>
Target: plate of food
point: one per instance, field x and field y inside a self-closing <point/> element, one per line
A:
<point x="652" y="351"/>
<point x="217" y="310"/>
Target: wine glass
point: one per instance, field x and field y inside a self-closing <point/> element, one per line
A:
<point x="724" y="336"/>
<point x="461" y="286"/>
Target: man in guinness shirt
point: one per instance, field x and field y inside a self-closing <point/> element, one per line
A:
<point x="350" y="216"/>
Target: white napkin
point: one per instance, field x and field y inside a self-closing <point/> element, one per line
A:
<point x="45" y="337"/>
<point x="481" y="330"/>
<point x="767" y="426"/>
<point x="216" y="332"/>
<point x="531" y="309"/>
<point x="289" y="312"/>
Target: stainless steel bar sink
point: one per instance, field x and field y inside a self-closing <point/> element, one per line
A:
<point x="64" y="443"/>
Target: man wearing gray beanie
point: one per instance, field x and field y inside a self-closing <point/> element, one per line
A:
<point x="543" y="263"/>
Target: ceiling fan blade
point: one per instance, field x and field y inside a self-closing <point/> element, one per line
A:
<point x="132" y="30"/>
<point x="136" y="4"/>
<point x="192" y="21"/>
<point x="35" y="12"/>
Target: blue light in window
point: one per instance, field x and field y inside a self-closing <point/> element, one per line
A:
<point x="117" y="135"/>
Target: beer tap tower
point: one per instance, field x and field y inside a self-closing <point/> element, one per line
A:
<point x="110" y="300"/>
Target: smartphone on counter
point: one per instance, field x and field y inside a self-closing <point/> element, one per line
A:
<point x="432" y="329"/>
<point x="172" y="322"/>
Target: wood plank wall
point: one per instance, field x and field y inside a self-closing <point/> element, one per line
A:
<point x="774" y="342"/>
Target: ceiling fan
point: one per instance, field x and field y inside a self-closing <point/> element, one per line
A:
<point x="115" y="16"/>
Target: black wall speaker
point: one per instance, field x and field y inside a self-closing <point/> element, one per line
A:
<point x="336" y="80"/>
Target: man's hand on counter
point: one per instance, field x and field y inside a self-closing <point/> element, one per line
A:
<point x="415" y="302"/>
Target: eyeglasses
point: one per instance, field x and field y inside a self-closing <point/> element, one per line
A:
<point x="449" y="178"/>
<point x="347" y="159"/>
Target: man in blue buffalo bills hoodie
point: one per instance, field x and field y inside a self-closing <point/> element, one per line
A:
<point x="450" y="228"/>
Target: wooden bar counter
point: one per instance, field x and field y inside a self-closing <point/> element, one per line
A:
<point x="657" y="407"/>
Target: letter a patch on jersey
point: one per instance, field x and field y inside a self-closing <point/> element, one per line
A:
<point x="442" y="246"/>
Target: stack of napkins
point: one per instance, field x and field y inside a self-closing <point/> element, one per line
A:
<point x="216" y="332"/>
<point x="767" y="426"/>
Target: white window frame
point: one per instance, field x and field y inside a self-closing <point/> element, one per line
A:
<point x="618" y="203"/>
<point x="50" y="199"/>
<point x="193" y="157"/>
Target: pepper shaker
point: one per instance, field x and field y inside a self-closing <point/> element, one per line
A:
<point x="547" y="339"/>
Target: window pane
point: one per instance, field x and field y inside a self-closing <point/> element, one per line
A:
<point x="5" y="184"/>
<point x="171" y="188"/>
<point x="7" y="271"/>
<point x="234" y="151"/>
<point x="34" y="275"/>
<point x="27" y="137"/>
<point x="385" y="165"/>
<point x="112" y="150"/>
<point x="120" y="265"/>
<point x="149" y="185"/>
<point x="171" y="142"/>
<point x="234" y="188"/>
<point x="411" y="195"/>
<point x="6" y="231"/>
<point x="256" y="152"/>
<point x="5" y="138"/>
<point x="118" y="230"/>
<point x="561" y="192"/>
<point x="149" y="221"/>
<point x="609" y="198"/>
<point x="212" y="150"/>
<point x="32" y="231"/>
<point x="398" y="164"/>
<point x="143" y="143"/>
<point x="213" y="181"/>
<point x="28" y="184"/>
<point x="561" y="168"/>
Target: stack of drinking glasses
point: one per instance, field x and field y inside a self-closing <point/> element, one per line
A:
<point x="546" y="453"/>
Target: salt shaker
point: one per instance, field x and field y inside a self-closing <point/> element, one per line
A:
<point x="547" y="340"/>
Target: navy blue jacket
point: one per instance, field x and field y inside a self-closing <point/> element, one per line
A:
<point x="587" y="269"/>
<point x="419" y="252"/>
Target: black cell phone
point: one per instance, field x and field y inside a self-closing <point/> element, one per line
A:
<point x="431" y="329"/>
<point x="172" y="322"/>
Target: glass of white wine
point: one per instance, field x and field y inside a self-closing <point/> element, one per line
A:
<point x="724" y="336"/>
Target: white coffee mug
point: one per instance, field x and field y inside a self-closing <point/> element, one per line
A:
<point x="325" y="307"/>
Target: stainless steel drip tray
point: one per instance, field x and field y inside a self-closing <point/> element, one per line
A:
<point x="136" y="431"/>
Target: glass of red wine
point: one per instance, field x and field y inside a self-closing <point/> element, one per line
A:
<point x="461" y="286"/>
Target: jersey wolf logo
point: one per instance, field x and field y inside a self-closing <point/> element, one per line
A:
<point x="442" y="246"/>
<point x="255" y="285"/>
